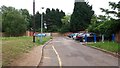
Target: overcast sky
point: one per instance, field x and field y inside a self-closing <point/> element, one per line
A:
<point x="65" y="5"/>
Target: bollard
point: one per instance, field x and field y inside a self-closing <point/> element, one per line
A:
<point x="86" y="38"/>
<point x="113" y="37"/>
<point x="94" y="38"/>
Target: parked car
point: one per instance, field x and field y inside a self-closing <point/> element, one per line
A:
<point x="80" y="37"/>
<point x="75" y="35"/>
<point x="39" y="35"/>
<point x="71" y="35"/>
<point x="90" y="37"/>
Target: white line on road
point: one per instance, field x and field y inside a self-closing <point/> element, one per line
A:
<point x="59" y="60"/>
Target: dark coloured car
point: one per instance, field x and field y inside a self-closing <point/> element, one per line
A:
<point x="71" y="35"/>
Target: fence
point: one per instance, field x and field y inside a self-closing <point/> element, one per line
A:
<point x="117" y="38"/>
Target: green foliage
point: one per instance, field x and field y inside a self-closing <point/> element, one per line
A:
<point x="106" y="24"/>
<point x="103" y="26"/>
<point x="65" y="28"/>
<point x="116" y="12"/>
<point x="81" y="17"/>
<point x="53" y="19"/>
<point x="37" y="21"/>
<point x="115" y="9"/>
<point x="14" y="21"/>
<point x="27" y="17"/>
<point x="66" y="19"/>
<point x="65" y="24"/>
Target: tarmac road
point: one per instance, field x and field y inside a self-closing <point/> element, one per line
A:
<point x="66" y="52"/>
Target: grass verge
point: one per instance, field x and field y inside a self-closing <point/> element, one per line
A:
<point x="44" y="39"/>
<point x="109" y="46"/>
<point x="14" y="47"/>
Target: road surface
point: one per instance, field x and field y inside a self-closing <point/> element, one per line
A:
<point x="67" y="52"/>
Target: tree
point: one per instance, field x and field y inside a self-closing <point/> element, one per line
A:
<point x="94" y="24"/>
<point x="65" y="24"/>
<point x="37" y="21"/>
<point x="26" y="16"/>
<point x="106" y="24"/>
<point x="81" y="17"/>
<point x="53" y="19"/>
<point x="13" y="21"/>
<point x="116" y="12"/>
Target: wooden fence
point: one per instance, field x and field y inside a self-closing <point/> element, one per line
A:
<point x="117" y="38"/>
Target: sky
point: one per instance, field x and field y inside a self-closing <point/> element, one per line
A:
<point x="66" y="5"/>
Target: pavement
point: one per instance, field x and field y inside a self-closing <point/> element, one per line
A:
<point x="29" y="59"/>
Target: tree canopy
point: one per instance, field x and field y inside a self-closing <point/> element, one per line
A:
<point x="17" y="21"/>
<point x="81" y="17"/>
<point x="14" y="21"/>
<point x="106" y="24"/>
<point x="53" y="19"/>
<point x="116" y="12"/>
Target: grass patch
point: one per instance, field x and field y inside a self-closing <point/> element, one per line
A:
<point x="44" y="39"/>
<point x="14" y="47"/>
<point x="109" y="46"/>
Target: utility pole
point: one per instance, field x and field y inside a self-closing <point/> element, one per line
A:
<point x="34" y="21"/>
<point x="41" y="25"/>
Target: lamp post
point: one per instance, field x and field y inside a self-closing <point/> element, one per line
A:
<point x="34" y="21"/>
<point x="45" y="25"/>
<point x="41" y="25"/>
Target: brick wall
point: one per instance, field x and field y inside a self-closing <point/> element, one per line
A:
<point x="56" y="34"/>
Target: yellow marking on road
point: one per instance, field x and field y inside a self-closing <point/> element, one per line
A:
<point x="59" y="60"/>
<point x="47" y="57"/>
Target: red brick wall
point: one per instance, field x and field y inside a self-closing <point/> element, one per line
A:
<point x="55" y="34"/>
<point x="30" y="33"/>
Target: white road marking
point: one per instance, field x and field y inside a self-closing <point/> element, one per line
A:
<point x="59" y="60"/>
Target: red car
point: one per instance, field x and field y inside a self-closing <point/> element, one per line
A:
<point x="80" y="37"/>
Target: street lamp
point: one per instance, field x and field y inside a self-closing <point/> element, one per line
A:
<point x="34" y="21"/>
<point x="45" y="25"/>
